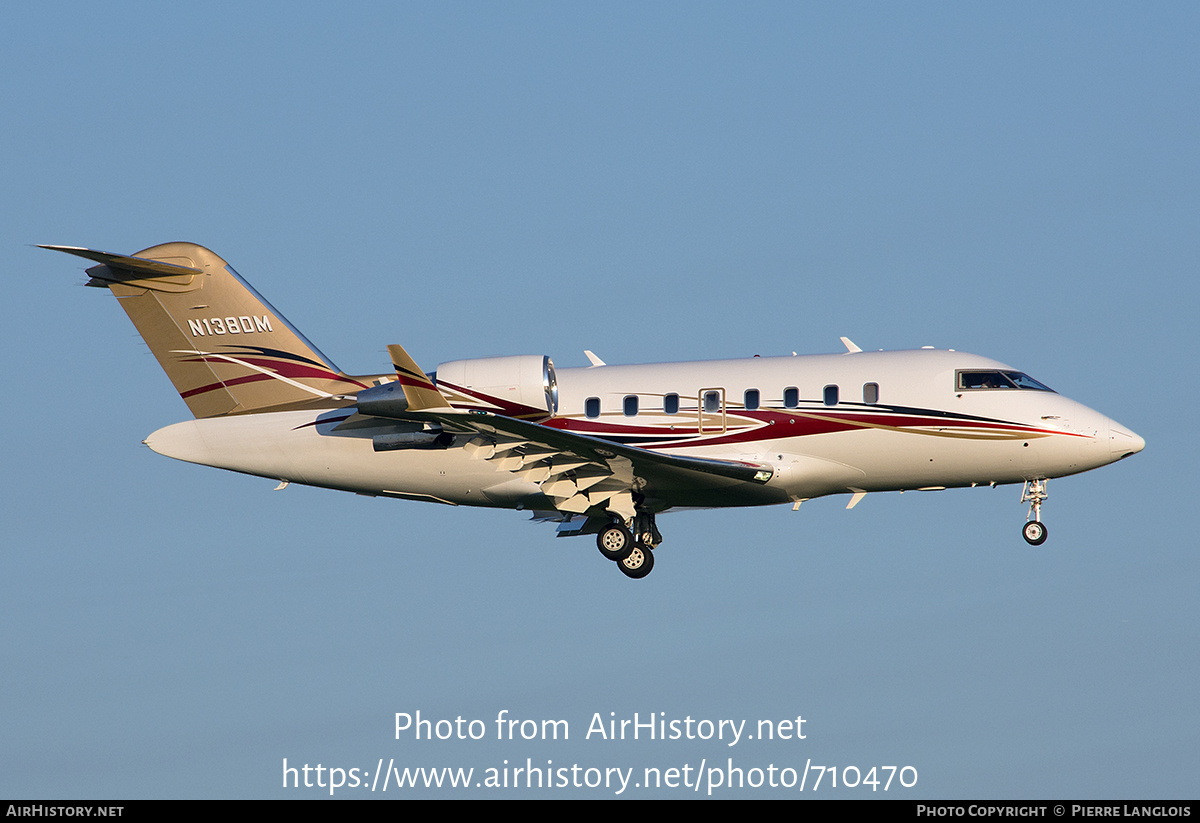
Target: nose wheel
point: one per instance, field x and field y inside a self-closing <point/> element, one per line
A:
<point x="1034" y="530"/>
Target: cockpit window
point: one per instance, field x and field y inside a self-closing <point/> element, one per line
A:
<point x="1024" y="381"/>
<point x="969" y="380"/>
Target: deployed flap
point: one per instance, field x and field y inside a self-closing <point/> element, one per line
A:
<point x="598" y="450"/>
<point x="580" y="473"/>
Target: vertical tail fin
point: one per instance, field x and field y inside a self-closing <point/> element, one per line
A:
<point x="224" y="347"/>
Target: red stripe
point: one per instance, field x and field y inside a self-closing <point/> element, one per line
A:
<point x="250" y="378"/>
<point x="746" y="427"/>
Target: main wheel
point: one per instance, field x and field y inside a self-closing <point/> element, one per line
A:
<point x="615" y="542"/>
<point x="638" y="564"/>
<point x="1034" y="533"/>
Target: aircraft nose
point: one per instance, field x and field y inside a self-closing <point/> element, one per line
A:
<point x="1123" y="442"/>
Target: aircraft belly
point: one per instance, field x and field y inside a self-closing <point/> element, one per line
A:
<point x="288" y="446"/>
<point x="910" y="460"/>
<point x="735" y="493"/>
<point x="795" y="476"/>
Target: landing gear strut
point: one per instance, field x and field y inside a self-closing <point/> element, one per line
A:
<point x="630" y="549"/>
<point x="1034" y="492"/>
<point x="644" y="530"/>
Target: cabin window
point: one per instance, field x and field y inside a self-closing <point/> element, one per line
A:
<point x="870" y="393"/>
<point x="751" y="399"/>
<point x="591" y="407"/>
<point x="712" y="401"/>
<point x="671" y="404"/>
<point x="791" y="397"/>
<point x="831" y="395"/>
<point x="631" y="405"/>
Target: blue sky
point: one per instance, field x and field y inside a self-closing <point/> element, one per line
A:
<point x="651" y="182"/>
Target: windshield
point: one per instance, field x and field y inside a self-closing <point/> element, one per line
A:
<point x="991" y="379"/>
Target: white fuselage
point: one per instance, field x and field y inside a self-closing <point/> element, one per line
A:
<point x="899" y="420"/>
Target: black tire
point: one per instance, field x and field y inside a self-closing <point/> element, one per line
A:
<point x="1034" y="533"/>
<point x="639" y="563"/>
<point x="615" y="542"/>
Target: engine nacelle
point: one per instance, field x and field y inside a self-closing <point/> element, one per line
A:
<point x="512" y="386"/>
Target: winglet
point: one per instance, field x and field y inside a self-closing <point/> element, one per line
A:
<point x="850" y="347"/>
<point x="596" y="361"/>
<point x="419" y="390"/>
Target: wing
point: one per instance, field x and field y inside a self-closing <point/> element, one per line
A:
<point x="579" y="473"/>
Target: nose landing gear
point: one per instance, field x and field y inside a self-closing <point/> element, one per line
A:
<point x="1034" y="492"/>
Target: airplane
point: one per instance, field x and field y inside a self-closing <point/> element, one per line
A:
<point x="596" y="450"/>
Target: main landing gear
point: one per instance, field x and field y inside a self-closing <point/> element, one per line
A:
<point x="1034" y="531"/>
<point x="615" y="542"/>
<point x="633" y="555"/>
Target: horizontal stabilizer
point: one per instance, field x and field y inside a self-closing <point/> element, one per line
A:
<point x="123" y="262"/>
